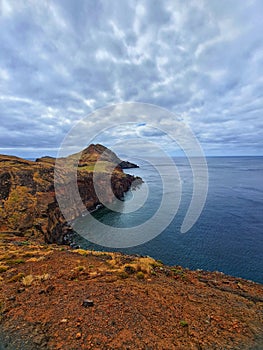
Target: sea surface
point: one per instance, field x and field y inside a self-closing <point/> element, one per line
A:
<point x="227" y="237"/>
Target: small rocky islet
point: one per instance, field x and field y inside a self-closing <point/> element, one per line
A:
<point x="55" y="297"/>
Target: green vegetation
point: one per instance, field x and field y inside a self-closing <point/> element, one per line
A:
<point x="27" y="280"/>
<point x="17" y="277"/>
<point x="183" y="323"/>
<point x="129" y="269"/>
<point x="159" y="262"/>
<point x="25" y="243"/>
<point x="140" y="275"/>
<point x="3" y="268"/>
<point x="123" y="274"/>
<point x="80" y="268"/>
<point x="101" y="167"/>
<point x="15" y="261"/>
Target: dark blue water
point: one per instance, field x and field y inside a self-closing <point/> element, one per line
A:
<point x="228" y="235"/>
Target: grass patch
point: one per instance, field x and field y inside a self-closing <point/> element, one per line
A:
<point x="27" y="280"/>
<point x="41" y="258"/>
<point x="30" y="254"/>
<point x="25" y="243"/>
<point x="3" y="268"/>
<point x="159" y="262"/>
<point x="15" y="261"/>
<point x="43" y="277"/>
<point x="17" y="277"/>
<point x="129" y="269"/>
<point x="183" y="323"/>
<point x="7" y="257"/>
<point x="80" y="268"/>
<point x="82" y="252"/>
<point x="140" y="275"/>
<point x="123" y="275"/>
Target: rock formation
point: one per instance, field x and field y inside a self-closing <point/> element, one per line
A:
<point x="28" y="204"/>
<point x="54" y="297"/>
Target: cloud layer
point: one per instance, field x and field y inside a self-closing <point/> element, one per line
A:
<point x="60" y="60"/>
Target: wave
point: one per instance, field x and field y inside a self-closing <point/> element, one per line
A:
<point x="254" y="189"/>
<point x="256" y="202"/>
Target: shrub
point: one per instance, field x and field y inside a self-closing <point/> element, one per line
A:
<point x="25" y="243"/>
<point x="15" y="262"/>
<point x="140" y="275"/>
<point x="3" y="268"/>
<point x="159" y="262"/>
<point x="43" y="277"/>
<point x="129" y="269"/>
<point x="183" y="323"/>
<point x="80" y="268"/>
<point x="123" y="274"/>
<point x="17" y="277"/>
<point x="27" y="280"/>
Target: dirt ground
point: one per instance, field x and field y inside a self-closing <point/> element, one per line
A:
<point x="53" y="297"/>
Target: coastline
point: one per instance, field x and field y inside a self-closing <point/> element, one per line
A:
<point x="227" y="237"/>
<point x="169" y="307"/>
<point x="28" y="200"/>
<point x="134" y="301"/>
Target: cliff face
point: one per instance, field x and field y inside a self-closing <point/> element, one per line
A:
<point x="28" y="204"/>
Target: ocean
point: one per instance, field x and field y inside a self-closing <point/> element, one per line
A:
<point x="227" y="237"/>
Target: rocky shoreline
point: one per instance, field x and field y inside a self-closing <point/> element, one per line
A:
<point x="55" y="297"/>
<point x="28" y="204"/>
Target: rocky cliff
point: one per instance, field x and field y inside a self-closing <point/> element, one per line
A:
<point x="55" y="297"/>
<point x="28" y="204"/>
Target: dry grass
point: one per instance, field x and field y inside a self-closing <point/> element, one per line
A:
<point x="81" y="252"/>
<point x="43" y="277"/>
<point x="140" y="275"/>
<point x="138" y="264"/>
<point x="126" y="281"/>
<point x="17" y="277"/>
<point x="41" y="258"/>
<point x="80" y="268"/>
<point x="27" y="280"/>
<point x="116" y="263"/>
<point x="31" y="254"/>
<point x="3" y="268"/>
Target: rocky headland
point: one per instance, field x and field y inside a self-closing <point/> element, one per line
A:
<point x="28" y="204"/>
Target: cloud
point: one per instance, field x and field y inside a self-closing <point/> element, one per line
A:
<point x="199" y="59"/>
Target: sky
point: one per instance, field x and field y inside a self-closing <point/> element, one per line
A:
<point x="62" y="60"/>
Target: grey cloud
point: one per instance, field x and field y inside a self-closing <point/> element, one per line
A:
<point x="62" y="59"/>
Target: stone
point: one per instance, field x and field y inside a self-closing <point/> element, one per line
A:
<point x="88" y="303"/>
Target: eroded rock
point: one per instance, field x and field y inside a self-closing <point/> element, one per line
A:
<point x="28" y="204"/>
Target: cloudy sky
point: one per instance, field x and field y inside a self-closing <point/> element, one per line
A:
<point x="61" y="60"/>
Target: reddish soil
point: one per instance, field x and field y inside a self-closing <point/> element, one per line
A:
<point x="138" y="303"/>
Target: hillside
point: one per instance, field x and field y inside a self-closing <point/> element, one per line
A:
<point x="133" y="302"/>
<point x="28" y="205"/>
